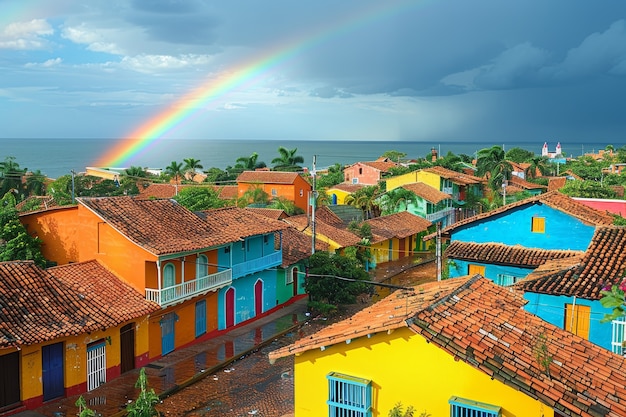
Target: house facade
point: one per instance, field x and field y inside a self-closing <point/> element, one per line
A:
<point x="422" y="200"/>
<point x="207" y="273"/>
<point x="289" y="185"/>
<point x="459" y="185"/>
<point x="66" y="331"/>
<point x="368" y="173"/>
<point x="466" y="347"/>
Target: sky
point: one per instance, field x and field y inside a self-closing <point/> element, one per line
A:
<point x="417" y="70"/>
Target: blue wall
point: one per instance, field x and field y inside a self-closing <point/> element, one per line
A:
<point x="551" y="308"/>
<point x="244" y="297"/>
<point x="491" y="271"/>
<point x="562" y="231"/>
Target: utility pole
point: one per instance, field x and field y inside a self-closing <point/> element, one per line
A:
<point x="438" y="251"/>
<point x="313" y="204"/>
<point x="73" y="173"/>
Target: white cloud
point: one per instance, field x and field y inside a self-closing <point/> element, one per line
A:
<point x="47" y="64"/>
<point x="96" y="41"/>
<point x="26" y="35"/>
<point x="155" y="63"/>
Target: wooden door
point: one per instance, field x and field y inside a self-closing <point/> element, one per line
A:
<point x="577" y="320"/>
<point x="168" y="336"/>
<point x="258" y="298"/>
<point x="52" y="371"/>
<point x="476" y="269"/>
<point x="230" y="307"/>
<point x="127" y="347"/>
<point x="10" y="380"/>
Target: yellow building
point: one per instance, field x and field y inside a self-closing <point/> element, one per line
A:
<point x="459" y="347"/>
<point x="66" y="330"/>
<point x="337" y="193"/>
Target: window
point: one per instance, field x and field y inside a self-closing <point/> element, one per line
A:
<point x="505" y="280"/>
<point x="538" y="225"/>
<point x="577" y="319"/>
<point x="274" y="192"/>
<point x="301" y="192"/>
<point x="617" y="340"/>
<point x="473" y="269"/>
<point x="460" y="407"/>
<point x="202" y="266"/>
<point x="200" y="318"/>
<point x="360" y="171"/>
<point x="169" y="275"/>
<point x="349" y="396"/>
<point x="292" y="277"/>
<point x="355" y="180"/>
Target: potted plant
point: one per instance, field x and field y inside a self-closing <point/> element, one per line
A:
<point x="143" y="406"/>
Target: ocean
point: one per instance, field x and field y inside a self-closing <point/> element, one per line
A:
<point x="58" y="157"/>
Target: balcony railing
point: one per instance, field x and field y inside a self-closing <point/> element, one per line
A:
<point x="172" y="295"/>
<point x="259" y="264"/>
<point x="441" y="214"/>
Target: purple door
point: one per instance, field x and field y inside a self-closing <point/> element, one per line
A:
<point x="230" y="307"/>
<point x="258" y="298"/>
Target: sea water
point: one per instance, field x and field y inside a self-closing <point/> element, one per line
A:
<point x="58" y="157"/>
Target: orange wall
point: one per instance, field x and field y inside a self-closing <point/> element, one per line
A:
<point x="289" y="191"/>
<point x="59" y="231"/>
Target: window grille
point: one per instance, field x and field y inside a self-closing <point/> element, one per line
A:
<point x="505" y="280"/>
<point x="617" y="340"/>
<point x="461" y="407"/>
<point x="349" y="396"/>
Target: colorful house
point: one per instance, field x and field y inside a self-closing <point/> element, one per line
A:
<point x="421" y="200"/>
<point x="516" y="238"/>
<point x="189" y="265"/>
<point x="396" y="235"/>
<point x="289" y="185"/>
<point x="459" y="185"/>
<point x="66" y="330"/>
<point x="568" y="294"/>
<point x="458" y="347"/>
<point x="368" y="173"/>
<point x="338" y="193"/>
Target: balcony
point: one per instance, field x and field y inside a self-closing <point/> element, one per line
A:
<point x="447" y="212"/>
<point x="179" y="292"/>
<point x="259" y="264"/>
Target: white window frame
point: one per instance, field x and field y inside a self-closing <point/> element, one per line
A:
<point x="167" y="277"/>
<point x="202" y="266"/>
<point x="506" y="280"/>
<point x="617" y="339"/>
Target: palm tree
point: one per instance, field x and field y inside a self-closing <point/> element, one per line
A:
<point x="135" y="171"/>
<point x="365" y="199"/>
<point x="35" y="183"/>
<point x="175" y="170"/>
<point x="537" y="163"/>
<point x="253" y="195"/>
<point x="288" y="160"/>
<point x="490" y="163"/>
<point x="10" y="175"/>
<point x="249" y="163"/>
<point x="192" y="166"/>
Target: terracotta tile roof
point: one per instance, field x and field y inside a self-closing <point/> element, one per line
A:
<point x="427" y="192"/>
<point x="268" y="177"/>
<point x="398" y="225"/>
<point x="552" y="199"/>
<point x="334" y="232"/>
<point x="454" y="176"/>
<point x="235" y="221"/>
<point x="155" y="191"/>
<point x="326" y="215"/>
<point x="36" y="203"/>
<point x="347" y="187"/>
<point x="297" y="246"/>
<point x="275" y="214"/>
<point x="604" y="263"/>
<point x="526" y="185"/>
<point x="482" y="324"/>
<point x="159" y="226"/>
<point x="37" y="306"/>
<point x="382" y="166"/>
<point x="556" y="183"/>
<point x="497" y="253"/>
<point x="228" y="192"/>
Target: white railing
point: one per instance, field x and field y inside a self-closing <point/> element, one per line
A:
<point x="440" y="214"/>
<point x="617" y="340"/>
<point x="259" y="264"/>
<point x="178" y="292"/>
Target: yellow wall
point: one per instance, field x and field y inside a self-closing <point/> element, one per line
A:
<point x="429" y="178"/>
<point x="400" y="180"/>
<point x="75" y="359"/>
<point x="403" y="368"/>
<point x="341" y="195"/>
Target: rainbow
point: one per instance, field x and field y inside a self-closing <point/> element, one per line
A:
<point x="187" y="105"/>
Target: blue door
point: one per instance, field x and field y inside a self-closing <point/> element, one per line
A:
<point x="52" y="371"/>
<point x="167" y="333"/>
<point x="200" y="318"/>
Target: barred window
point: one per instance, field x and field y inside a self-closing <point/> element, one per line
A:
<point x="349" y="396"/>
<point x="461" y="407"/>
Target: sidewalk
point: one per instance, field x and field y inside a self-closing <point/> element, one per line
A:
<point x="183" y="366"/>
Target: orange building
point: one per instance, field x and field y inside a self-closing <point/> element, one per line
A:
<point x="289" y="185"/>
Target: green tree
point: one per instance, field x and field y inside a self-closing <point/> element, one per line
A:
<point x="395" y="200"/>
<point x="192" y="166"/>
<point x="10" y="175"/>
<point x="254" y="195"/>
<point x="175" y="171"/>
<point x="333" y="176"/>
<point x="200" y="198"/>
<point x="365" y="199"/>
<point x="136" y="172"/>
<point x="218" y="176"/>
<point x="450" y="161"/>
<point x="288" y="160"/>
<point x="249" y="163"/>
<point x="35" y="183"/>
<point x="491" y="163"/>
<point x="288" y="206"/>
<point x="61" y="190"/>
<point x="394" y="156"/>
<point x="518" y="155"/>
<point x="15" y="242"/>
<point x="538" y="163"/>
<point x="587" y="189"/>
<point x="335" y="279"/>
